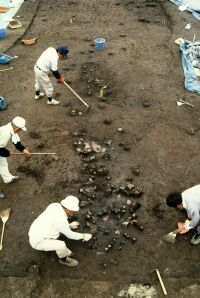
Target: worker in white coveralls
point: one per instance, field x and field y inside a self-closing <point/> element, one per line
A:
<point x="47" y="227"/>
<point x="7" y="132"/>
<point x="190" y="201"/>
<point x="48" y="61"/>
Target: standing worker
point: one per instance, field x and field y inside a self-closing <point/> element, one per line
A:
<point x="48" y="61"/>
<point x="7" y="132"/>
<point x="190" y="200"/>
<point x="48" y="225"/>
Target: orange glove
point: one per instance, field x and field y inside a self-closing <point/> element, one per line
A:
<point x="181" y="227"/>
<point x="61" y="80"/>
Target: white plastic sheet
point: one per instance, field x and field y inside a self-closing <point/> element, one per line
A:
<point x="193" y="4"/>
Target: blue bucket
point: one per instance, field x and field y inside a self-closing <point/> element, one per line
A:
<point x="99" y="43"/>
<point x="3" y="103"/>
<point x="3" y="33"/>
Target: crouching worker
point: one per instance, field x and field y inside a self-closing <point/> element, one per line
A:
<point x="47" y="227"/>
<point x="190" y="200"/>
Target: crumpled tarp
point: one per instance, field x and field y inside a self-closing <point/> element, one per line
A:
<point x="193" y="6"/>
<point x="6" y="17"/>
<point x="191" y="82"/>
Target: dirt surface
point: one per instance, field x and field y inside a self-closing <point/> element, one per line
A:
<point x="147" y="147"/>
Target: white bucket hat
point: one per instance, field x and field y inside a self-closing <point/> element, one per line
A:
<point x="19" y="122"/>
<point x="70" y="203"/>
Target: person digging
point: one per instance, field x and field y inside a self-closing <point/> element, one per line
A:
<point x="7" y="132"/>
<point x="48" y="61"/>
<point x="190" y="200"/>
<point x="47" y="227"/>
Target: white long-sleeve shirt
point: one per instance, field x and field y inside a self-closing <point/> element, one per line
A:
<point x="191" y="202"/>
<point x="7" y="133"/>
<point x="50" y="223"/>
<point x="48" y="60"/>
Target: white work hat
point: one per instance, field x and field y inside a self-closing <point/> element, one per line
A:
<point x="20" y="122"/>
<point x="70" y="203"/>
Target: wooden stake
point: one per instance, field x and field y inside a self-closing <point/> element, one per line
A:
<point x="76" y="95"/>
<point x="35" y="153"/>
<point x="161" y="282"/>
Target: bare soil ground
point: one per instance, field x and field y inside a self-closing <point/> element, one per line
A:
<point x="157" y="149"/>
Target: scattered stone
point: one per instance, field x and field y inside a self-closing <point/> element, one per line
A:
<point x="128" y="202"/>
<point x="137" y="192"/>
<point x="146" y="104"/>
<point x="105" y="218"/>
<point x="73" y="113"/>
<point x="120" y="129"/>
<point x="144" y="20"/>
<point x="125" y="224"/>
<point x="133" y="240"/>
<point x="122" y="35"/>
<point x="135" y="171"/>
<point x="126" y="236"/>
<point x="90" y="93"/>
<point x="107" y="121"/>
<point x="130" y="186"/>
<point x="137" y="225"/>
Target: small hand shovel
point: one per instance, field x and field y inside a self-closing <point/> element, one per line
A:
<point x="4" y="216"/>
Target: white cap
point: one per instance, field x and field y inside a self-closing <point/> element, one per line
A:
<point x="70" y="203"/>
<point x="19" y="122"/>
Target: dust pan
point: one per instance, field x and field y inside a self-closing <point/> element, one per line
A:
<point x="171" y="237"/>
<point x="179" y="103"/>
<point x="4" y="216"/>
<point x="14" y="24"/>
<point x="29" y="42"/>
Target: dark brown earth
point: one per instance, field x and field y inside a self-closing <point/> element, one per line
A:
<point x="141" y="67"/>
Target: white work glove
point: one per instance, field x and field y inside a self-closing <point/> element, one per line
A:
<point x="74" y="225"/>
<point x="87" y="237"/>
<point x="187" y="225"/>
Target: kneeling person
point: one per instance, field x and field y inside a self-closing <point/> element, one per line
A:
<point x="47" y="227"/>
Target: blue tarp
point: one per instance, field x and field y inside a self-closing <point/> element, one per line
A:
<point x="4" y="17"/>
<point x="191" y="82"/>
<point x="192" y="6"/>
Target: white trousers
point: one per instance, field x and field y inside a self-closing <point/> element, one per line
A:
<point x="42" y="81"/>
<point x="52" y="244"/>
<point x="4" y="171"/>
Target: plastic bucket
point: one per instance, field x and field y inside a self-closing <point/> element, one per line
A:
<point x="99" y="43"/>
<point x="3" y="33"/>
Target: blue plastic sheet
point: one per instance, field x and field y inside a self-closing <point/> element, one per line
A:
<point x="191" y="82"/>
<point x="195" y="13"/>
<point x="5" y="59"/>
